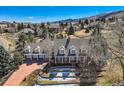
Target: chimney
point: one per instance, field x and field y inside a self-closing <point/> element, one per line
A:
<point x="67" y="42"/>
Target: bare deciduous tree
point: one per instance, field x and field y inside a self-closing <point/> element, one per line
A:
<point x="117" y="48"/>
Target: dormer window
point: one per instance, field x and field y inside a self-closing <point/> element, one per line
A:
<point x="28" y="49"/>
<point x="72" y="50"/>
<point x="83" y="51"/>
<point x="37" y="49"/>
<point x="62" y="50"/>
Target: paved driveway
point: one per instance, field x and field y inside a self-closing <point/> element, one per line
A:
<point x="19" y="75"/>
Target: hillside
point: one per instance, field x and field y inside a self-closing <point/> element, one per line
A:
<point x="119" y="14"/>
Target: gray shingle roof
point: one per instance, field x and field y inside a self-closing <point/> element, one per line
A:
<point x="57" y="43"/>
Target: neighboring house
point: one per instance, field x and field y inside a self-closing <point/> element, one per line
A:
<point x="55" y="27"/>
<point x="27" y="30"/>
<point x="10" y="29"/>
<point x="3" y="25"/>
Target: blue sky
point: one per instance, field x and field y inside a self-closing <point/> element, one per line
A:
<point x="51" y="13"/>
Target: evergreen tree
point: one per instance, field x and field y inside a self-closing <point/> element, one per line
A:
<point x="19" y="26"/>
<point x="103" y="20"/>
<point x="22" y="26"/>
<point x="82" y="25"/>
<point x="28" y="26"/>
<point x="18" y="58"/>
<point x="30" y="37"/>
<point x="86" y="22"/>
<point x="61" y="24"/>
<point x="44" y="34"/>
<point x="22" y="39"/>
<point x="35" y="29"/>
<point x="42" y="25"/>
<point x="6" y="63"/>
<point x="80" y="21"/>
<point x="71" y="30"/>
<point x="66" y="24"/>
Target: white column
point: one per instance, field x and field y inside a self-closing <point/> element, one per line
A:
<point x="62" y="59"/>
<point x="37" y="57"/>
<point x="31" y="58"/>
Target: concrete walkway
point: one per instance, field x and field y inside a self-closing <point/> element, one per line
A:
<point x="19" y="75"/>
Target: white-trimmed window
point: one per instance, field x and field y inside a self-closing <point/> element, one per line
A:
<point x="28" y="49"/>
<point x="62" y="50"/>
<point x="37" y="49"/>
<point x="83" y="51"/>
<point x="72" y="50"/>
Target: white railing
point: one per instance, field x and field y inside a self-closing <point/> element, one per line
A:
<point x="57" y="59"/>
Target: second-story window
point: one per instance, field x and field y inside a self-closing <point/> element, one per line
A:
<point x="62" y="50"/>
<point x="83" y="51"/>
<point x="28" y="49"/>
<point x="72" y="50"/>
<point x="37" y="49"/>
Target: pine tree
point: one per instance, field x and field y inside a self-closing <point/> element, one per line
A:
<point x="22" y="26"/>
<point x="28" y="26"/>
<point x="18" y="58"/>
<point x="6" y="63"/>
<point x="71" y="30"/>
<point x="19" y="26"/>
